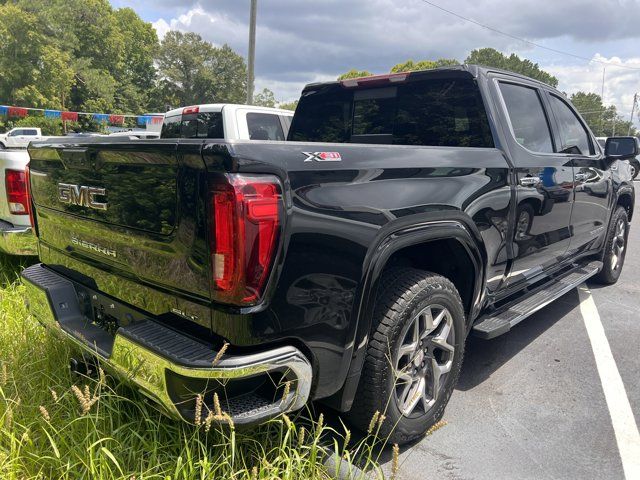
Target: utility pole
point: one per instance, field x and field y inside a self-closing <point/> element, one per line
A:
<point x="604" y="69"/>
<point x="252" y="51"/>
<point x="633" y="110"/>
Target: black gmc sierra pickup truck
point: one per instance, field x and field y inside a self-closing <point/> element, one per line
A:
<point x="347" y="264"/>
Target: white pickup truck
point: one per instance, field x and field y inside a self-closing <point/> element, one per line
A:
<point x="19" y="137"/>
<point x="228" y="121"/>
<point x="16" y="236"/>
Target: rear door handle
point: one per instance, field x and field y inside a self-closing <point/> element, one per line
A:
<point x="529" y="181"/>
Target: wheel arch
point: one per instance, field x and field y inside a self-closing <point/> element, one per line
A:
<point x="626" y="200"/>
<point x="446" y="232"/>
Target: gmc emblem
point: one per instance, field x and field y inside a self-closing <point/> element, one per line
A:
<point x="81" y="196"/>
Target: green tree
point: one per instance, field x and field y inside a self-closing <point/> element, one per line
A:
<point x="137" y="75"/>
<point x="491" y="57"/>
<point x="353" y="73"/>
<point x="265" y="98"/>
<point x="410" y="65"/>
<point x="604" y="121"/>
<point x="289" y="105"/>
<point x="91" y="57"/>
<point x="34" y="72"/>
<point x="193" y="71"/>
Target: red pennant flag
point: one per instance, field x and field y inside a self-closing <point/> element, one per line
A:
<point x="71" y="116"/>
<point x="17" y="112"/>
<point x="116" y="119"/>
<point x="156" y="120"/>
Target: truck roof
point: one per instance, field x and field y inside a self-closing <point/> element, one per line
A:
<point x="465" y="70"/>
<point x="217" y="107"/>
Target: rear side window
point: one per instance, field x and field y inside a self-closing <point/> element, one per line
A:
<point x="436" y="112"/>
<point x="30" y="132"/>
<point x="195" y="125"/>
<point x="573" y="136"/>
<point x="527" y="117"/>
<point x="264" y="126"/>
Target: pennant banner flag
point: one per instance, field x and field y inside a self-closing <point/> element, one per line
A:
<point x="113" y="119"/>
<point x="17" y="112"/>
<point x="116" y="119"/>
<point x="70" y="116"/>
<point x="101" y="117"/>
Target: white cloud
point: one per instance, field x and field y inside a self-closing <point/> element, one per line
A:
<point x="162" y="27"/>
<point x="302" y="42"/>
<point x="620" y="84"/>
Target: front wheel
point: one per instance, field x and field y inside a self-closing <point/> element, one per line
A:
<point x="634" y="166"/>
<point x="414" y="356"/>
<point x="615" y="248"/>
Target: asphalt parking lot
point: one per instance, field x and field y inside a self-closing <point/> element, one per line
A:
<point x="531" y="403"/>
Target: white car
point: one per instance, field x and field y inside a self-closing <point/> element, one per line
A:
<point x="16" y="235"/>
<point x="19" y="137"/>
<point x="227" y="121"/>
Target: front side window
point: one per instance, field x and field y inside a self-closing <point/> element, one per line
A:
<point x="527" y="117"/>
<point x="264" y="126"/>
<point x="573" y="136"/>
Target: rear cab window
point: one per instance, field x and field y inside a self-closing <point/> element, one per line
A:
<point x="431" y="112"/>
<point x="193" y="125"/>
<point x="264" y="126"/>
<point x="527" y="117"/>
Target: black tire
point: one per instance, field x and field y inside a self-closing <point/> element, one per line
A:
<point x="524" y="220"/>
<point x="635" y="168"/>
<point x="406" y="293"/>
<point x="612" y="259"/>
<point x="2" y="147"/>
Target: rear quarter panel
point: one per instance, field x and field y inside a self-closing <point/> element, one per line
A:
<point x="338" y="213"/>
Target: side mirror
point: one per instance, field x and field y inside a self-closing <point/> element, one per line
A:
<point x="621" y="148"/>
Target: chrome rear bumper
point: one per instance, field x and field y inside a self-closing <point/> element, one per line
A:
<point x="171" y="368"/>
<point x="17" y="240"/>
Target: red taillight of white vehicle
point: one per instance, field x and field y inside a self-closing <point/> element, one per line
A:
<point x="17" y="193"/>
<point x="246" y="221"/>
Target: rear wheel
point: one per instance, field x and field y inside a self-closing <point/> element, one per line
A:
<point x="414" y="356"/>
<point x="615" y="248"/>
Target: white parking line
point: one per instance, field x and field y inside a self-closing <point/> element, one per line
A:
<point x="622" y="419"/>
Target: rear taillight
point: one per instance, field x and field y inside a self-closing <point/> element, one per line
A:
<point x="245" y="229"/>
<point x="17" y="194"/>
<point x="27" y="180"/>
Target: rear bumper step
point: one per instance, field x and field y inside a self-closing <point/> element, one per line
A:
<point x="497" y="323"/>
<point x="171" y="368"/>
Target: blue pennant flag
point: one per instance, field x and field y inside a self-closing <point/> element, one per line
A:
<point x="101" y="117"/>
<point x="52" y="113"/>
<point x="144" y="119"/>
<point x="3" y="110"/>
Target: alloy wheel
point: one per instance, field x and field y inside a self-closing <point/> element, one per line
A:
<point x="618" y="245"/>
<point x="423" y="359"/>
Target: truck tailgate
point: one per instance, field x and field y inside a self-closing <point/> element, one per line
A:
<point x="124" y="216"/>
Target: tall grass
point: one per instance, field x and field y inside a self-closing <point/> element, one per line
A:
<point x="55" y="425"/>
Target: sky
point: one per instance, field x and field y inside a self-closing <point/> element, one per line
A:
<point x="298" y="41"/>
